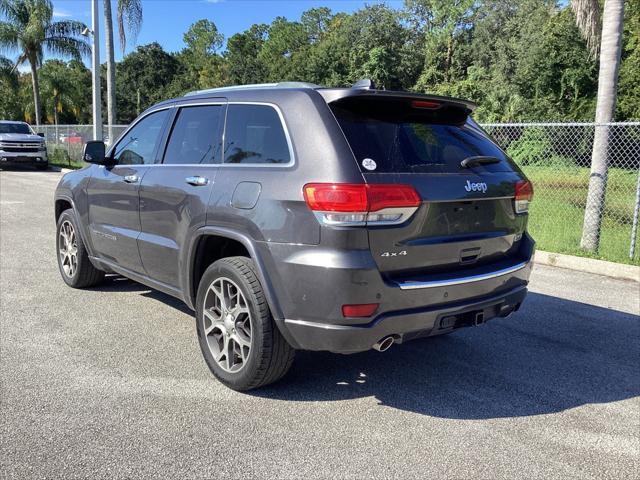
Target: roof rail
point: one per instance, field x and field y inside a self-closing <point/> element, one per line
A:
<point x="253" y="86"/>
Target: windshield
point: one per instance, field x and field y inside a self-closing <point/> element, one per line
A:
<point x="15" y="128"/>
<point x="409" y="143"/>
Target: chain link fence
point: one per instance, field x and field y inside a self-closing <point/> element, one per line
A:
<point x="555" y="156"/>
<point x="65" y="142"/>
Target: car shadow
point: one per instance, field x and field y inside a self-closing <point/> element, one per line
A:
<point x="552" y="355"/>
<point x="118" y="283"/>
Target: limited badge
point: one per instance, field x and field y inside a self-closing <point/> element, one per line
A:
<point x="369" y="164"/>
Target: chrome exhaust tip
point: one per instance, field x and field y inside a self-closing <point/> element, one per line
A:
<point x="384" y="344"/>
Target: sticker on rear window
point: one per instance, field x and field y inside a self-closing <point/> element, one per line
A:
<point x="369" y="164"/>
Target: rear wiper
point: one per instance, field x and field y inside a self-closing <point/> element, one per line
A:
<point x="478" y="160"/>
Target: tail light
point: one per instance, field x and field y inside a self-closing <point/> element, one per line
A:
<point x="524" y="195"/>
<point x="358" y="204"/>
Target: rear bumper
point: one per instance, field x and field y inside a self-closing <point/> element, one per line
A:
<point x="318" y="282"/>
<point x="23" y="157"/>
<point x="403" y="325"/>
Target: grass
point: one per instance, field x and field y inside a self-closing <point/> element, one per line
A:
<point x="59" y="157"/>
<point x="557" y="212"/>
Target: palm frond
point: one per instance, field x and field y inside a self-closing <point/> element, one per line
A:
<point x="67" y="47"/>
<point x="9" y="37"/>
<point x="587" y="14"/>
<point x="129" y="16"/>
<point x="65" y="28"/>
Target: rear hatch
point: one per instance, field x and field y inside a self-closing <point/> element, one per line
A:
<point x="467" y="218"/>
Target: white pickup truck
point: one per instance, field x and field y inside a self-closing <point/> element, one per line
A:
<point x="19" y="144"/>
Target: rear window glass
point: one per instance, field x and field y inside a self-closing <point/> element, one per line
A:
<point x="254" y="135"/>
<point x="195" y="138"/>
<point x="403" y="141"/>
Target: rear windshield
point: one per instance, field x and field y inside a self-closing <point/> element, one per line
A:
<point x="14" y="128"/>
<point x="385" y="139"/>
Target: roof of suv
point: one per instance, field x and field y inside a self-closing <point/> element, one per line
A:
<point x="13" y="122"/>
<point x="330" y="94"/>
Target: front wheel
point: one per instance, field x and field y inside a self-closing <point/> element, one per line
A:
<point x="240" y="342"/>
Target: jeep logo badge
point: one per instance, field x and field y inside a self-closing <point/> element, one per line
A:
<point x="476" y="187"/>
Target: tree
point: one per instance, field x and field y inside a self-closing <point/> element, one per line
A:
<point x="629" y="92"/>
<point x="279" y="51"/>
<point x="200" y="66"/>
<point x="9" y="106"/>
<point x="242" y="54"/>
<point x="143" y="78"/>
<point x="56" y="88"/>
<point x="29" y="30"/>
<point x="609" y="44"/>
<point x="129" y="18"/>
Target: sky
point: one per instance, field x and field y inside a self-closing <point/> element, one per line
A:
<point x="165" y="21"/>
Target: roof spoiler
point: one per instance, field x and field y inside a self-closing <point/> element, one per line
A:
<point x="366" y="88"/>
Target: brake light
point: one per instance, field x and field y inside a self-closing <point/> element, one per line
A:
<point x="357" y="204"/>
<point x="524" y="195"/>
<point x="424" y="104"/>
<point x="359" y="310"/>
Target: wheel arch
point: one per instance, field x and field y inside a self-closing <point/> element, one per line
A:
<point x="62" y="204"/>
<point x="232" y="243"/>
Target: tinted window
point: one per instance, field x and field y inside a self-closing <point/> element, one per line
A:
<point x="136" y="147"/>
<point x="195" y="137"/>
<point x="254" y="135"/>
<point x="15" y="128"/>
<point x="408" y="143"/>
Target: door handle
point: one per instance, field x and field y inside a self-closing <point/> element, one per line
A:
<point x="197" y="181"/>
<point x="131" y="178"/>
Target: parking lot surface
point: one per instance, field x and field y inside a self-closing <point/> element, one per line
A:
<point x="109" y="382"/>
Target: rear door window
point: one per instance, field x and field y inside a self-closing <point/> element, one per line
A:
<point x="196" y="136"/>
<point x="254" y="135"/>
<point x="401" y="140"/>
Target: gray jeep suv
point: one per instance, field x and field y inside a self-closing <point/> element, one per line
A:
<point x="291" y="216"/>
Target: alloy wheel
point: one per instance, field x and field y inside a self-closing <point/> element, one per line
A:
<point x="68" y="248"/>
<point x="227" y="324"/>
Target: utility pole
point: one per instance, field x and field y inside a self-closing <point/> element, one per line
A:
<point x="95" y="62"/>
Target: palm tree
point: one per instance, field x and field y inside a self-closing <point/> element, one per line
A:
<point x="58" y="87"/>
<point x="29" y="30"/>
<point x="129" y="16"/>
<point x="609" y="44"/>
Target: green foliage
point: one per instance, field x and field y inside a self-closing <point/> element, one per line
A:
<point x="629" y="86"/>
<point x="142" y="79"/>
<point x="533" y="147"/>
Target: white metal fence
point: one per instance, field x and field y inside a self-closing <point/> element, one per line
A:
<point x="65" y="142"/>
<point x="555" y="156"/>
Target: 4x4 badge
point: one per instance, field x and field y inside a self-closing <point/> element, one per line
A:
<point x="394" y="254"/>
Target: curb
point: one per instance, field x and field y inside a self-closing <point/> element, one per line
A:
<point x="589" y="265"/>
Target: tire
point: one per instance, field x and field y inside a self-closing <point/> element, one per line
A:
<point x="268" y="357"/>
<point x="78" y="273"/>
<point x="42" y="166"/>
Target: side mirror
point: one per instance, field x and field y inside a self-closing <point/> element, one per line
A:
<point x="40" y="134"/>
<point x="94" y="152"/>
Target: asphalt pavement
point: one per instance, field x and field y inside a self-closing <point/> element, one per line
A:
<point x="109" y="382"/>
